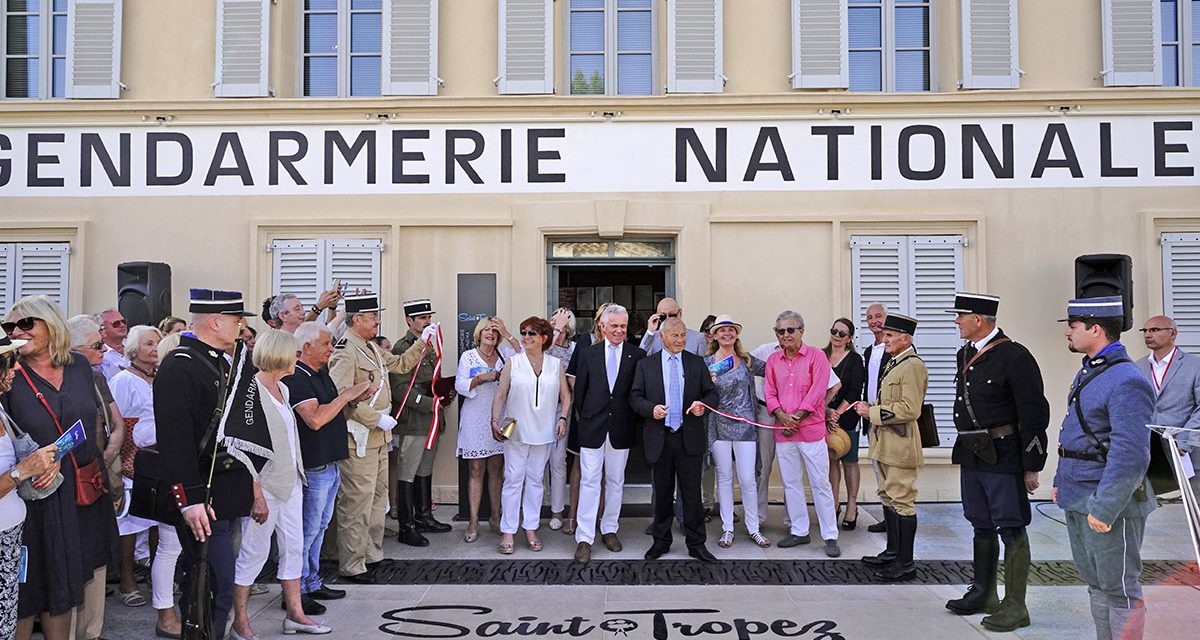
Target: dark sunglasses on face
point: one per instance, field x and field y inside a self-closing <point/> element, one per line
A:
<point x="529" y="332"/>
<point x="118" y="323"/>
<point x="24" y="324"/>
<point x="95" y="346"/>
<point x="838" y="333"/>
<point x="786" y="330"/>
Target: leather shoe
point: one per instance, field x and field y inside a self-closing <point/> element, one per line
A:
<point x="307" y="604"/>
<point x="657" y="552"/>
<point x="878" y="527"/>
<point x="366" y="577"/>
<point x="793" y="541"/>
<point x="612" y="542"/>
<point x="583" y="553"/>
<point x="327" y="593"/>
<point x="702" y="554"/>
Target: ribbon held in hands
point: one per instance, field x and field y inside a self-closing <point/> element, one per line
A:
<point x="776" y="427"/>
<point x="436" y="338"/>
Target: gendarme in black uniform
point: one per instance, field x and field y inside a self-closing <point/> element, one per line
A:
<point x="1001" y="415"/>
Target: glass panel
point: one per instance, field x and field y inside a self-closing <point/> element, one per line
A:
<point x="864" y="27"/>
<point x="587" y="4"/>
<point x="320" y="33"/>
<point x="24" y="35"/>
<point x="642" y="250"/>
<point x="60" y="5"/>
<point x="579" y="250"/>
<point x="866" y="71"/>
<point x="369" y="5"/>
<point x="1170" y="70"/>
<point x="1195" y="20"/>
<point x="587" y="31"/>
<point x="633" y="31"/>
<point x="22" y="78"/>
<point x="1170" y="20"/>
<point x="365" y="75"/>
<point x="634" y="74"/>
<point x="912" y="27"/>
<point x="587" y="75"/>
<point x="60" y="78"/>
<point x="320" y="76"/>
<point x="60" y="35"/>
<point x="366" y="32"/>
<point x="633" y="4"/>
<point x="321" y="5"/>
<point x="1196" y="65"/>
<point x="912" y="71"/>
<point x="24" y="5"/>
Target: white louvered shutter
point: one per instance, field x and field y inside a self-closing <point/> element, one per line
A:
<point x="410" y="47"/>
<point x="989" y="44"/>
<point x="94" y="49"/>
<point x="1181" y="286"/>
<point x="8" y="259"/>
<point x="1132" y="42"/>
<point x="42" y="269"/>
<point x="526" y="47"/>
<point x="354" y="262"/>
<point x="298" y="267"/>
<point x="243" y="43"/>
<point x="820" y="45"/>
<point x="936" y="275"/>
<point x="877" y="275"/>
<point x="695" y="46"/>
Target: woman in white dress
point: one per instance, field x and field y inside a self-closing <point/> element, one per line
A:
<point x="533" y="392"/>
<point x="476" y="382"/>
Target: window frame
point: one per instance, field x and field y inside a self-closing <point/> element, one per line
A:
<point x="1183" y="43"/>
<point x="611" y="52"/>
<point x="343" y="55"/>
<point x="888" y="45"/>
<point x="10" y="255"/>
<point x="46" y="14"/>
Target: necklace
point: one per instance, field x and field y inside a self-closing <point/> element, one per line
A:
<point x="148" y="374"/>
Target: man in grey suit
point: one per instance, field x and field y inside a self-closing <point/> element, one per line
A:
<point x="696" y="343"/>
<point x="1175" y="375"/>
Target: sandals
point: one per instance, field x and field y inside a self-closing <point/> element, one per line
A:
<point x="726" y="540"/>
<point x="471" y="536"/>
<point x="534" y="544"/>
<point x="760" y="540"/>
<point x="506" y="548"/>
<point x="133" y="598"/>
<point x="848" y="524"/>
<point x="569" y="526"/>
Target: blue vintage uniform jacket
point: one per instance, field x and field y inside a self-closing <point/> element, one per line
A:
<point x="1117" y="406"/>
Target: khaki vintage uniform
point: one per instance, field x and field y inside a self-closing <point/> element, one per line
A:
<point x="413" y="429"/>
<point x="895" y="438"/>
<point x="362" y="499"/>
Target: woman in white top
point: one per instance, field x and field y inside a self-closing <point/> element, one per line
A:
<point x="39" y="466"/>
<point x="535" y="389"/>
<point x="476" y="382"/>
<point x="278" y="495"/>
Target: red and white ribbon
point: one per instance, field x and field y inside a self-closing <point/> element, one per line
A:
<point x="431" y="439"/>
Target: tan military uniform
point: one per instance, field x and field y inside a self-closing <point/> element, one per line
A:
<point x="415" y="460"/>
<point x="363" y="496"/>
<point x="895" y="439"/>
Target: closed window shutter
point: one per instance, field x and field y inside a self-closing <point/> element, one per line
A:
<point x="410" y="47"/>
<point x="526" y="47"/>
<point x="8" y="259"/>
<point x="243" y="43"/>
<point x="877" y="273"/>
<point x="355" y="262"/>
<point x="1132" y="42"/>
<point x="94" y="49"/>
<point x="820" y="45"/>
<point x="42" y="269"/>
<point x="1181" y="286"/>
<point x="298" y="268"/>
<point x="989" y="44"/>
<point x="695" y="46"/>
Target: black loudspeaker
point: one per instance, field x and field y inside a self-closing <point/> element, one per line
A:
<point x="144" y="292"/>
<point x="1106" y="274"/>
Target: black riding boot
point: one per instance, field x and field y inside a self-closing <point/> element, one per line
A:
<point x="1012" y="613"/>
<point x="404" y="506"/>
<point x="903" y="568"/>
<point x="423" y="514"/>
<point x="893" y="541"/>
<point x="981" y="595"/>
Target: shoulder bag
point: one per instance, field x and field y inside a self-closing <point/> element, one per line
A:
<point x="90" y="480"/>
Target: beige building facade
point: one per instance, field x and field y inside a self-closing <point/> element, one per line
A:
<point x="754" y="177"/>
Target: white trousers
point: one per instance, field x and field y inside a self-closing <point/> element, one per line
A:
<point x="766" y="461"/>
<point x="558" y="475"/>
<point x="608" y="464"/>
<point x="794" y="459"/>
<point x="524" y="467"/>
<point x="285" y="519"/>
<point x="726" y="454"/>
<point x="162" y="572"/>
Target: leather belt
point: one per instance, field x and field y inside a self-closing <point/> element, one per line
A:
<point x="1081" y="455"/>
<point x="1002" y="431"/>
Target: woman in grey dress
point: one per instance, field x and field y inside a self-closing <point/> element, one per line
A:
<point x="730" y="441"/>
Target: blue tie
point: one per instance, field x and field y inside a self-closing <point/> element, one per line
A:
<point x="611" y="363"/>
<point x="675" y="401"/>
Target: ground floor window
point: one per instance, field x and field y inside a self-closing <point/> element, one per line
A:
<point x="1181" y="286"/>
<point x="33" y="268"/>
<point x="916" y="276"/>
<point x="305" y="268"/>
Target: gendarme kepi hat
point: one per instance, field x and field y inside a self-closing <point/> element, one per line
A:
<point x="903" y="324"/>
<point x="1101" y="307"/>
<point x="363" y="303"/>
<point x="419" y="307"/>
<point x="979" y="303"/>
<point x="228" y="303"/>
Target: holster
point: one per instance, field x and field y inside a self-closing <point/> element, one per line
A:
<point x="979" y="442"/>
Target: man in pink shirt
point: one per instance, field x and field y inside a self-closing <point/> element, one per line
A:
<point x="794" y="388"/>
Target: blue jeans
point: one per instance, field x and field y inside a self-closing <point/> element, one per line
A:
<point x="319" y="497"/>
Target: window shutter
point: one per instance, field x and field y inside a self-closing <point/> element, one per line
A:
<point x="989" y="44"/>
<point x="42" y="269"/>
<point x="695" y="46"/>
<point x="876" y="272"/>
<point x="410" y="47"/>
<point x="94" y="49"/>
<point x="1132" y="41"/>
<point x="8" y="258"/>
<point x="1181" y="286"/>
<point x="526" y="47"/>
<point x="298" y="268"/>
<point x="243" y="42"/>
<point x="820" y="45"/>
<point x="355" y="262"/>
<point x="936" y="275"/>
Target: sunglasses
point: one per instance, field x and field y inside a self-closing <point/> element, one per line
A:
<point x="24" y="324"/>
<point x="95" y="346"/>
<point x="118" y="323"/>
<point x="838" y="333"/>
<point x="529" y="332"/>
<point x="787" y="331"/>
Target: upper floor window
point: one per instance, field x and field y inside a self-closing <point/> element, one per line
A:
<point x="889" y="45"/>
<point x="611" y="47"/>
<point x="343" y="47"/>
<point x="1180" y="43"/>
<point x="35" y="48"/>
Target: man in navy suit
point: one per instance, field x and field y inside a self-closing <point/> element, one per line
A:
<point x="603" y="379"/>
<point x="669" y="391"/>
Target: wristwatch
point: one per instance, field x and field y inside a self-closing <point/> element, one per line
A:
<point x="15" y="474"/>
<point x="317" y="310"/>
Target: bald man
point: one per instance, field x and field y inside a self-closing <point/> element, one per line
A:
<point x="1175" y="376"/>
<point x="652" y="342"/>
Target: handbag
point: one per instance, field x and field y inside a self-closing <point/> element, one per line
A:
<point x="927" y="427"/>
<point x="24" y="446"/>
<point x="90" y="480"/>
<point x="113" y="469"/>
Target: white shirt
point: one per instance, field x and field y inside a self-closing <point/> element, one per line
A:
<point x="12" y="507"/>
<point x="113" y="364"/>
<point x="877" y="352"/>
<point x="983" y="343"/>
<point x="135" y="399"/>
<point x="1158" y="370"/>
<point x="612" y="361"/>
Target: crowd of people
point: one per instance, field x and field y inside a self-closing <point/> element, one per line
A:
<point x="346" y="426"/>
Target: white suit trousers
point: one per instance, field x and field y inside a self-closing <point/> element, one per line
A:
<point x="594" y="464"/>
